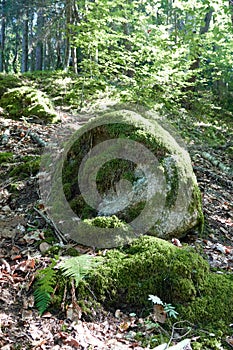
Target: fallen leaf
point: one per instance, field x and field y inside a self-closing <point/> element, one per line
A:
<point x="159" y="315"/>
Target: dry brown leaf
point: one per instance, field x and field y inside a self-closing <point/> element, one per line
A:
<point x="159" y="315"/>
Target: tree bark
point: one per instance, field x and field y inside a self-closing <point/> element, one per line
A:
<point x="39" y="46"/>
<point x="68" y="14"/>
<point x="24" y="64"/>
<point x="3" y="37"/>
<point x="231" y="10"/>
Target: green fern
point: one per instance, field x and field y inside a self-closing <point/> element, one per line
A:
<point x="44" y="287"/>
<point x="78" y="267"/>
<point x="75" y="267"/>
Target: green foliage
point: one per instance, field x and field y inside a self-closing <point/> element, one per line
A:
<point x="77" y="267"/>
<point x="168" y="308"/>
<point x="9" y="81"/>
<point x="44" y="287"/>
<point x="6" y="157"/>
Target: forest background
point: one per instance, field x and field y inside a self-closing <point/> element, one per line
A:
<point x="175" y="53"/>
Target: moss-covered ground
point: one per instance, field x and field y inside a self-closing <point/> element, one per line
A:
<point x="178" y="276"/>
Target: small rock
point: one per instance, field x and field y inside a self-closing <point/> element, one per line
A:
<point x="44" y="246"/>
<point x="20" y="229"/>
<point x="6" y="209"/>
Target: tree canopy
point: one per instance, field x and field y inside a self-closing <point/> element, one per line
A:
<point x="161" y="48"/>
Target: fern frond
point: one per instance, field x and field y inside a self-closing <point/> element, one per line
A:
<point x="78" y="267"/>
<point x="44" y="287"/>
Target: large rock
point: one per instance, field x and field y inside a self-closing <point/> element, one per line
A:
<point x="125" y="164"/>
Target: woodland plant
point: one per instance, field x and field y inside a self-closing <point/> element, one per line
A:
<point x="55" y="276"/>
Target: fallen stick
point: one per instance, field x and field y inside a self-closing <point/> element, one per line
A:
<point x="53" y="225"/>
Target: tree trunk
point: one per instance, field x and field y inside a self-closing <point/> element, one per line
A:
<point x="3" y="36"/>
<point x="74" y="59"/>
<point x="231" y="9"/>
<point x="196" y="63"/>
<point x="39" y="46"/>
<point x="24" y="64"/>
<point x="14" y="63"/>
<point x="68" y="14"/>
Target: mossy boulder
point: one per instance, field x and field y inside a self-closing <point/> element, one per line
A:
<point x="141" y="173"/>
<point x="9" y="81"/>
<point x="179" y="276"/>
<point x="28" y="102"/>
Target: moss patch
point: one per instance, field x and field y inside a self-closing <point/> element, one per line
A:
<point x="102" y="221"/>
<point x="28" y="168"/>
<point x="6" y="157"/>
<point x="9" y="81"/>
<point x="26" y="101"/>
<point x="178" y="276"/>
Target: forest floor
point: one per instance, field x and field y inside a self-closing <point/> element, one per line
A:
<point x="22" y="253"/>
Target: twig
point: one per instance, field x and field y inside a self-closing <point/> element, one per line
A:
<point x="53" y="225"/>
<point x="175" y="328"/>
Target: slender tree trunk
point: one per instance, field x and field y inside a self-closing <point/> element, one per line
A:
<point x="68" y="13"/>
<point x="74" y="59"/>
<point x="3" y="37"/>
<point x="39" y="46"/>
<point x="196" y="63"/>
<point x="14" y="63"/>
<point x="231" y="9"/>
<point x="24" y="64"/>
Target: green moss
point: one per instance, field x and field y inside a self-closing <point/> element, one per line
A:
<point x="29" y="168"/>
<point x="71" y="252"/>
<point x="172" y="180"/>
<point x="6" y="157"/>
<point x="105" y="222"/>
<point x="150" y="266"/>
<point x="9" y="81"/>
<point x="213" y="310"/>
<point x="67" y="190"/>
<point x="28" y="102"/>
<point x="196" y="203"/>
<point x="83" y="210"/>
<point x="178" y="276"/>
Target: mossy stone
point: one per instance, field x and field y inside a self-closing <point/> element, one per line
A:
<point x="176" y="201"/>
<point x="28" y="102"/>
<point x="150" y="266"/>
<point x="178" y="276"/>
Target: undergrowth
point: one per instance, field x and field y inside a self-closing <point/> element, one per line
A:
<point x="50" y="278"/>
